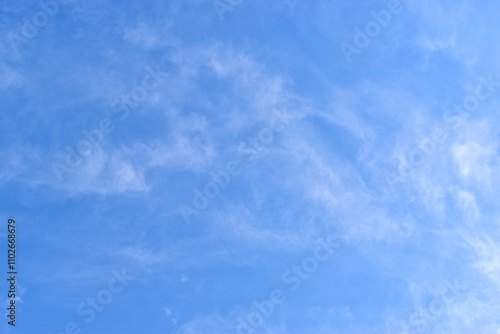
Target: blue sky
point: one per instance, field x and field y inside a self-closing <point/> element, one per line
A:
<point x="281" y="166"/>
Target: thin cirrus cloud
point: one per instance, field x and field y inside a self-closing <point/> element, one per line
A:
<point x="373" y="156"/>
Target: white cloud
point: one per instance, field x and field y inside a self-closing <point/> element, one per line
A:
<point x="473" y="160"/>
